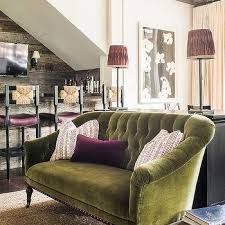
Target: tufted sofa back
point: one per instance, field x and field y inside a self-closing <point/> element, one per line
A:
<point x="139" y="128"/>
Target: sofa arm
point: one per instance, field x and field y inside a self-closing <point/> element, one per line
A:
<point x="39" y="150"/>
<point x="163" y="188"/>
<point x="154" y="170"/>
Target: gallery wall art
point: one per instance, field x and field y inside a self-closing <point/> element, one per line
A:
<point x="157" y="67"/>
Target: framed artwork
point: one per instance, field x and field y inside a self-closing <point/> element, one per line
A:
<point x="157" y="66"/>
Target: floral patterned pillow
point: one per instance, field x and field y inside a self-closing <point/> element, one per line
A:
<point x="159" y="146"/>
<point x="67" y="138"/>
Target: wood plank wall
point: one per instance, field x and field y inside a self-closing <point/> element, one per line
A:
<point x="51" y="69"/>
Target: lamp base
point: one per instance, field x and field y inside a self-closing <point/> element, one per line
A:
<point x="201" y="112"/>
<point x="33" y="63"/>
<point x="118" y="108"/>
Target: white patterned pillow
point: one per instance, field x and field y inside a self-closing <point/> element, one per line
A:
<point x="67" y="138"/>
<point x="159" y="146"/>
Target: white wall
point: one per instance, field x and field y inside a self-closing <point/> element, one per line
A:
<point x="90" y="16"/>
<point x="164" y="14"/>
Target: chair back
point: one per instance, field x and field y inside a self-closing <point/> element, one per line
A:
<point x="21" y="95"/>
<point x="69" y="95"/>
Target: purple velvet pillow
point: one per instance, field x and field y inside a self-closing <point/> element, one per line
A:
<point x="92" y="150"/>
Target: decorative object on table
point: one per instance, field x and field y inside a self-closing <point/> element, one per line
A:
<point x="172" y="106"/>
<point x="214" y="215"/>
<point x="112" y="96"/>
<point x="34" y="59"/>
<point x="118" y="58"/>
<point x="92" y="85"/>
<point x="200" y="47"/>
<point x="70" y="82"/>
<point x="109" y="96"/>
<point x="157" y="68"/>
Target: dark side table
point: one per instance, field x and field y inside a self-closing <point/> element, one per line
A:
<point x="211" y="183"/>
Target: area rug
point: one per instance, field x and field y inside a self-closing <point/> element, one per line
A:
<point x="43" y="211"/>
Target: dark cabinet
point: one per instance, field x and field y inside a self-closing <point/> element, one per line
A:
<point x="211" y="183"/>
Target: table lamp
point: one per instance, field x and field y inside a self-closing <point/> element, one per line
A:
<point x="200" y="47"/>
<point x="118" y="58"/>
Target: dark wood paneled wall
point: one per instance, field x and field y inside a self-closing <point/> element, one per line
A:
<point x="51" y="70"/>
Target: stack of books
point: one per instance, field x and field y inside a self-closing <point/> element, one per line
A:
<point x="214" y="215"/>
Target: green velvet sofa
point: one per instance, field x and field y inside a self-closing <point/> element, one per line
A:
<point x="154" y="194"/>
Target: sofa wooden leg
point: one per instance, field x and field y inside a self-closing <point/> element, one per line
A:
<point x="29" y="191"/>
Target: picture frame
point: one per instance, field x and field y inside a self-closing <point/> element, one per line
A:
<point x="157" y="65"/>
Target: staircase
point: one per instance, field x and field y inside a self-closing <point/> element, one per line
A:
<point x="74" y="30"/>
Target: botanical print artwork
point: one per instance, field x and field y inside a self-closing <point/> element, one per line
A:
<point x="157" y="65"/>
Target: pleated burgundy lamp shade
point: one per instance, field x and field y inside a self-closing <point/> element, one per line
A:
<point x="200" y="44"/>
<point x="118" y="56"/>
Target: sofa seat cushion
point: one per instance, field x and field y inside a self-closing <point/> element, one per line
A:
<point x="104" y="187"/>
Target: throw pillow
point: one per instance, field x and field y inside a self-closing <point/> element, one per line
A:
<point x="162" y="144"/>
<point x="67" y="137"/>
<point x="92" y="150"/>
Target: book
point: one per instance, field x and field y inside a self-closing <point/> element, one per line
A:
<point x="214" y="215"/>
<point x="189" y="221"/>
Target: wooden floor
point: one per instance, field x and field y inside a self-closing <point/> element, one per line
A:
<point x="16" y="182"/>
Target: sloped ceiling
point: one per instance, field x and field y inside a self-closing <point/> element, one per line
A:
<point x="52" y="29"/>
